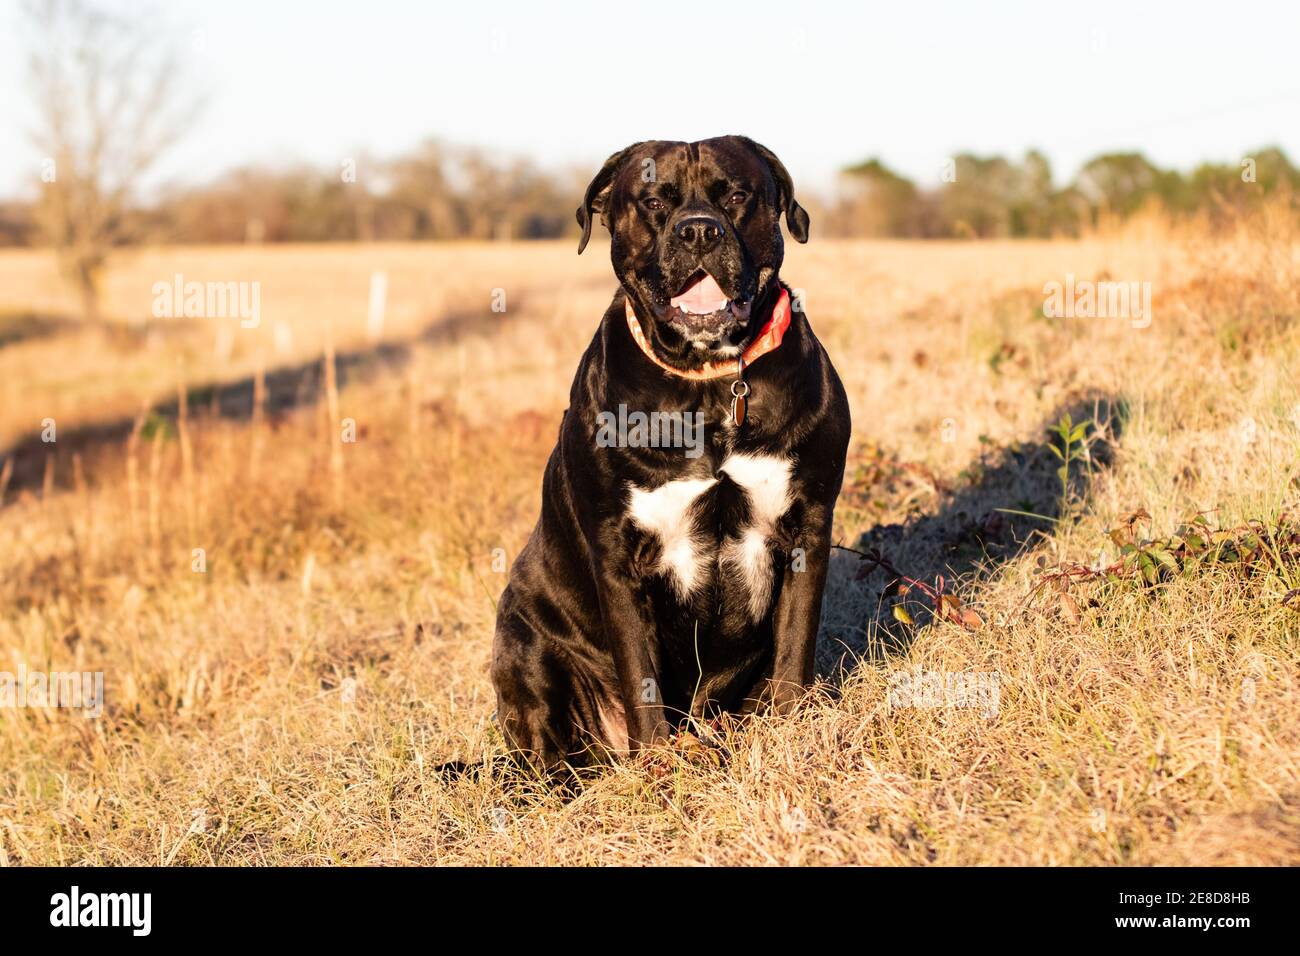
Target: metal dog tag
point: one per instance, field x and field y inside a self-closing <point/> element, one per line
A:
<point x="739" y="394"/>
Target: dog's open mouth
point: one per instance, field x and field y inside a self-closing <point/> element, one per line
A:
<point x="702" y="306"/>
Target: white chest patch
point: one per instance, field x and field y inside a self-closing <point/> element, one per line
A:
<point x="766" y="480"/>
<point x="666" y="512"/>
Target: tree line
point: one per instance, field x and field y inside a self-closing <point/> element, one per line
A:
<point x="994" y="197"/>
<point x="445" y="192"/>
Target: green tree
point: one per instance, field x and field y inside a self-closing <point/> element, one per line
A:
<point x="878" y="201"/>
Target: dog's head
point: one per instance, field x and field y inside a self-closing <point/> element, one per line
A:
<point x="697" y="242"/>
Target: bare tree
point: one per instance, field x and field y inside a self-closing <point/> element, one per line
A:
<point x="105" y="87"/>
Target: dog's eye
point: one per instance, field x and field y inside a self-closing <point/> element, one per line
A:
<point x="655" y="204"/>
<point x="737" y="198"/>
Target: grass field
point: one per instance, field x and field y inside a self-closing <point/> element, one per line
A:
<point x="288" y="693"/>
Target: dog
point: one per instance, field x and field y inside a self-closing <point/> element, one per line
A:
<point x="666" y="583"/>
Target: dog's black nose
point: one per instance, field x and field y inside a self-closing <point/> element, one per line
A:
<point x="699" y="233"/>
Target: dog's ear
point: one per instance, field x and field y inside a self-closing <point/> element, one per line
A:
<point x="593" y="203"/>
<point x="796" y="217"/>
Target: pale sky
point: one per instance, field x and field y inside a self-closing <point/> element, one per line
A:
<point x="822" y="84"/>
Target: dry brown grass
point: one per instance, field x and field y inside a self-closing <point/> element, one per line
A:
<point x="292" y="704"/>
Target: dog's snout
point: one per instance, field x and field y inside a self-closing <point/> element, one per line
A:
<point x="699" y="233"/>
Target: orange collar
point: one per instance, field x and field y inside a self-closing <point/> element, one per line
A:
<point x="767" y="340"/>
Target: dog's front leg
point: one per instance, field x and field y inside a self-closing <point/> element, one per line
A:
<point x="796" y="617"/>
<point x="632" y="636"/>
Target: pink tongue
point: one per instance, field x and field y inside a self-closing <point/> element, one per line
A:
<point x="703" y="297"/>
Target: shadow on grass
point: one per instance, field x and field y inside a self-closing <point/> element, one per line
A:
<point x="980" y="525"/>
<point x="287" y="388"/>
<point x="16" y="327"/>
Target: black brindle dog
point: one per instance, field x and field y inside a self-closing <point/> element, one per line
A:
<point x="668" y="577"/>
